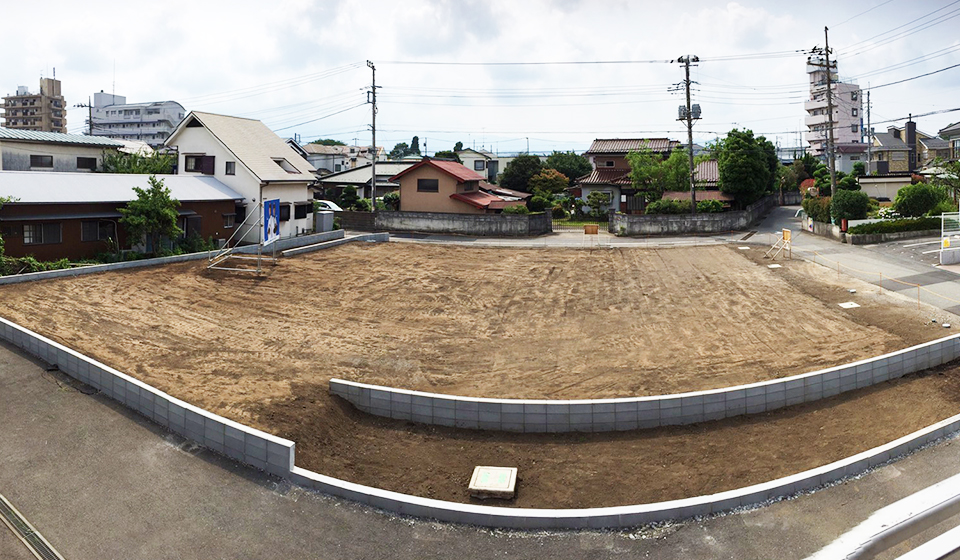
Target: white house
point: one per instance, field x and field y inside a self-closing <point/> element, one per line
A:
<point x="249" y="158"/>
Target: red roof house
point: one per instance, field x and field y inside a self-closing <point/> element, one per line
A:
<point x="449" y="187"/>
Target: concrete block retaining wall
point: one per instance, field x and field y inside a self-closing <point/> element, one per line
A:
<point x="276" y="455"/>
<point x="495" y="225"/>
<point x="266" y="452"/>
<point x="871" y="238"/>
<point x="671" y="224"/>
<point x="287" y="243"/>
<point x="607" y="415"/>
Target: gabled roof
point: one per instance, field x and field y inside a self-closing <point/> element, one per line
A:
<point x="707" y="172"/>
<point x="606" y="176"/>
<point x="57" y="138"/>
<point x="934" y="143"/>
<point x="623" y="146"/>
<point x="502" y="191"/>
<point x="480" y="199"/>
<point x="55" y="187"/>
<point x="950" y="130"/>
<point x="888" y="141"/>
<point x="482" y="153"/>
<point x="456" y="170"/>
<point x="253" y="144"/>
<point x="361" y="175"/>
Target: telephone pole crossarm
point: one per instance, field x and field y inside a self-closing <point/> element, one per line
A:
<point x="689" y="114"/>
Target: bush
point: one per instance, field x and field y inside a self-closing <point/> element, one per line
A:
<point x="362" y="205"/>
<point x="916" y="200"/>
<point x="709" y="206"/>
<point x="850" y="205"/>
<point x="817" y="208"/>
<point x="539" y="203"/>
<point x="196" y="244"/>
<point x="392" y="200"/>
<point x="942" y="207"/>
<point x="664" y="206"/>
<point x="894" y="226"/>
<point x="558" y="212"/>
<point x="23" y="265"/>
<point x="516" y="210"/>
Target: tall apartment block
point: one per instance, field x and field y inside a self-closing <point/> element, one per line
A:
<point x="148" y="122"/>
<point x="45" y="111"/>
<point x="847" y="115"/>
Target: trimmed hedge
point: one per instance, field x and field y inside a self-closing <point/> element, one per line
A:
<point x="894" y="226"/>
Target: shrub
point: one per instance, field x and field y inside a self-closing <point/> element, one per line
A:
<point x="516" y="210"/>
<point x="362" y="205"/>
<point x="817" y="208"/>
<point x="558" y="212"/>
<point x="893" y="226"/>
<point x="392" y="200"/>
<point x="850" y="205"/>
<point x="916" y="200"/>
<point x="539" y="203"/>
<point x="709" y="206"/>
<point x="196" y="244"/>
<point x="942" y="207"/>
<point x="664" y="206"/>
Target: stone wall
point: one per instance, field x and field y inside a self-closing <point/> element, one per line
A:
<point x="676" y="224"/>
<point x="480" y="225"/>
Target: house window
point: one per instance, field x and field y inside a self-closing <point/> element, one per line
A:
<point x="89" y="163"/>
<point x="199" y="164"/>
<point x="854" y="158"/>
<point x="608" y="163"/>
<point x="478" y="165"/>
<point x="230" y="168"/>
<point x="301" y="209"/>
<point x="97" y="230"/>
<point x="338" y="167"/>
<point x="853" y="96"/>
<point x="854" y="112"/>
<point x="37" y="234"/>
<point x="467" y="187"/>
<point x="284" y="212"/>
<point x="854" y="128"/>
<point x="229" y="220"/>
<point x="41" y="161"/>
<point x="285" y="165"/>
<point x="428" y="185"/>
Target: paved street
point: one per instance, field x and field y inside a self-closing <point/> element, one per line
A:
<point x="100" y="482"/>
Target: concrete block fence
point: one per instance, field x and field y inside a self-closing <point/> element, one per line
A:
<point x="608" y="415"/>
<point x="253" y="447"/>
<point x="276" y="456"/>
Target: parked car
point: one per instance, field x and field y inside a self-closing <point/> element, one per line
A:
<point x="328" y="205"/>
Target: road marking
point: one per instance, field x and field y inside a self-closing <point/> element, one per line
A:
<point x="924" y="243"/>
<point x="928" y="252"/>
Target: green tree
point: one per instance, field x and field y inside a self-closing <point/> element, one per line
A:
<point x="849" y="204"/>
<point x="516" y="175"/>
<point x="571" y="164"/>
<point x="675" y="171"/>
<point x="916" y="200"/>
<point x="152" y="215"/>
<point x="549" y="182"/>
<point x="157" y="163"/>
<point x="646" y="174"/>
<point x="949" y="178"/>
<point x="349" y="198"/>
<point x="414" y="146"/>
<point x="448" y="154"/>
<point x="399" y="150"/>
<point x="745" y="170"/>
<point x="859" y="170"/>
<point x="458" y="146"/>
<point x="328" y="142"/>
<point x="599" y="203"/>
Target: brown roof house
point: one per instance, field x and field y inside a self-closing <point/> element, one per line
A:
<point x="449" y="187"/>
<point x="611" y="170"/>
<point x="707" y="179"/>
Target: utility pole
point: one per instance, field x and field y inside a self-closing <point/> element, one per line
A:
<point x="869" y="136"/>
<point x="372" y="99"/>
<point x="89" y="115"/>
<point x="689" y="114"/>
<point x="831" y="160"/>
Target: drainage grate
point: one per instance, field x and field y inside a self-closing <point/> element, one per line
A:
<point x="22" y="529"/>
<point x="748" y="236"/>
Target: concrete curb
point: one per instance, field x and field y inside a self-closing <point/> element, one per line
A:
<point x="608" y="415"/>
<point x="276" y="456"/>
<point x="370" y="237"/>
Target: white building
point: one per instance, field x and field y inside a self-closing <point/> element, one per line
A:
<point x="249" y="158"/>
<point x="147" y="122"/>
<point x="847" y="109"/>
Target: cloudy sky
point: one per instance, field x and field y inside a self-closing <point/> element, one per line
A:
<point x="485" y="72"/>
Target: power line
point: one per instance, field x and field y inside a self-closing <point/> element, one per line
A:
<point x="913" y="78"/>
<point x="861" y="13"/>
<point x="319" y="118"/>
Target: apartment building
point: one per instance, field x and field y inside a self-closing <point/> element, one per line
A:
<point x="847" y="109"/>
<point x="151" y="122"/>
<point x="45" y="111"/>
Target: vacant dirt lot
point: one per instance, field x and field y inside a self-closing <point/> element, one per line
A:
<point x="531" y="323"/>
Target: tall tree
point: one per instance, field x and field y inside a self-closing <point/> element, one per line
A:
<point x="157" y="163"/>
<point x="399" y="151"/>
<point x="518" y="172"/>
<point x="548" y="182"/>
<point x="153" y="214"/>
<point x="746" y="167"/>
<point x="675" y="171"/>
<point x="458" y="146"/>
<point x="570" y="164"/>
<point x="328" y="142"/>
<point x="415" y="146"/>
<point x="646" y="174"/>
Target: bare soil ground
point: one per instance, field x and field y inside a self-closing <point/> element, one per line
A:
<point x="547" y="323"/>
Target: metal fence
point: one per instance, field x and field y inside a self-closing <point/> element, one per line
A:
<point x="572" y="224"/>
